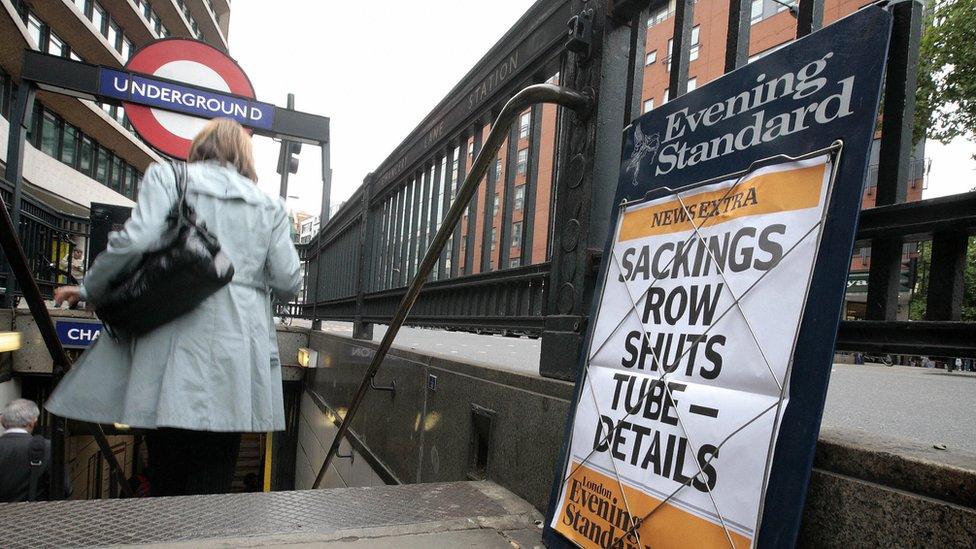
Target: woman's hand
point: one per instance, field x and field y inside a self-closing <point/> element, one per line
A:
<point x="67" y="294"/>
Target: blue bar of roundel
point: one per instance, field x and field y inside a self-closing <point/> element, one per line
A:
<point x="180" y="98"/>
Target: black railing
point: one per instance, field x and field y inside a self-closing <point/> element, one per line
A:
<point x="47" y="236"/>
<point x="525" y="257"/>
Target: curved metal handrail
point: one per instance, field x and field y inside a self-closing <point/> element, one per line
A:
<point x="531" y="95"/>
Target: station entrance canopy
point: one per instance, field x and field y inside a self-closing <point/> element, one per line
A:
<point x="99" y="83"/>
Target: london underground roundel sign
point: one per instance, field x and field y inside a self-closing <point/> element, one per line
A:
<point x="182" y="65"/>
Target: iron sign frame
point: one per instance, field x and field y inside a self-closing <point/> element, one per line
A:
<point x="789" y="472"/>
<point x="79" y="79"/>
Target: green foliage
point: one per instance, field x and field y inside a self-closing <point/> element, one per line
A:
<point x="916" y="307"/>
<point x="946" y="98"/>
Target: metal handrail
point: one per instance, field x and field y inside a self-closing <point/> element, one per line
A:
<point x="14" y="252"/>
<point x="531" y="95"/>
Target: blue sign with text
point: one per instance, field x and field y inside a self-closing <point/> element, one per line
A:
<point x="180" y="98"/>
<point x="77" y="334"/>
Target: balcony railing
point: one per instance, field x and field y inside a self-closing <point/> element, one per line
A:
<point x="47" y="236"/>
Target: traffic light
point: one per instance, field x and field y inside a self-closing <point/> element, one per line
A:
<point x="289" y="154"/>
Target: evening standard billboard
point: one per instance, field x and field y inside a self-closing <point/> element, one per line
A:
<point x="699" y="397"/>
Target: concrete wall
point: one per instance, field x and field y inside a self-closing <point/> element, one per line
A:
<point x="33" y="356"/>
<point x="316" y="431"/>
<point x="424" y="435"/>
<point x="863" y="491"/>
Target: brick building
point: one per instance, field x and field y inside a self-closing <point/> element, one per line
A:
<point x="773" y="26"/>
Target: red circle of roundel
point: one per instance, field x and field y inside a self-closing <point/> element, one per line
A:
<point x="153" y="56"/>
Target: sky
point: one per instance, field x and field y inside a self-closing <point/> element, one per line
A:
<point x="953" y="169"/>
<point x="377" y="70"/>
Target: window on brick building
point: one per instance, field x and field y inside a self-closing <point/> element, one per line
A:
<point x="517" y="234"/>
<point x="764" y="9"/>
<point x="524" y="122"/>
<point x="661" y="15"/>
<point x="694" y="48"/>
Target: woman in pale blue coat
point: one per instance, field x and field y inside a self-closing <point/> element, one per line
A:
<point x="202" y="379"/>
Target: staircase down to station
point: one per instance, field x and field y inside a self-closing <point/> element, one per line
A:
<point x="479" y="514"/>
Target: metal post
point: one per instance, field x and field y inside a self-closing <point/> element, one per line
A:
<point x="946" y="287"/>
<point x="684" y="16"/>
<point x="528" y="96"/>
<point x="400" y="213"/>
<point x="313" y="257"/>
<point x="506" y="223"/>
<point x="445" y="182"/>
<point x="737" y="40"/>
<point x="531" y="184"/>
<point x="462" y="160"/>
<point x="436" y="208"/>
<point x="589" y="158"/>
<point x="360" y="329"/>
<point x="23" y="103"/>
<point x="326" y="211"/>
<point x="488" y="223"/>
<point x="410" y="265"/>
<point x="809" y="17"/>
<point x="285" y="156"/>
<point x="420" y="231"/>
<point x="633" y="106"/>
<point x="469" y="251"/>
<point x="895" y="155"/>
<point x="386" y="273"/>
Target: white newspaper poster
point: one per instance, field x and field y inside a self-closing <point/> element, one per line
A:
<point x="689" y="360"/>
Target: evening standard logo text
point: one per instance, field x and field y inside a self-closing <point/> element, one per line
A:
<point x="678" y="150"/>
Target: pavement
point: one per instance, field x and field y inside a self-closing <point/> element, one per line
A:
<point x="924" y="405"/>
<point x="920" y="405"/>
<point x="514" y="354"/>
<point x="447" y="514"/>
<point x="481" y="538"/>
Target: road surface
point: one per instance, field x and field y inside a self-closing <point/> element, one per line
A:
<point x="927" y="406"/>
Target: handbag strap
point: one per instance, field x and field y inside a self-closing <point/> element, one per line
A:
<point x="183" y="208"/>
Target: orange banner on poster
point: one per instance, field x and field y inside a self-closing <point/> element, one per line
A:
<point x="595" y="514"/>
<point x="769" y="192"/>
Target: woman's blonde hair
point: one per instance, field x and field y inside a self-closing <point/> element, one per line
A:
<point x="225" y="141"/>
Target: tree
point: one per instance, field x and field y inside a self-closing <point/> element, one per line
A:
<point x="920" y="291"/>
<point x="945" y="105"/>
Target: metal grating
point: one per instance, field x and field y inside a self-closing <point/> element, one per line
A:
<point x="182" y="519"/>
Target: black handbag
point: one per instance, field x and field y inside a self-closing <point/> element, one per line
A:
<point x="186" y="267"/>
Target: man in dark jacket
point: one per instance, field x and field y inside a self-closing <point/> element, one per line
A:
<point x="25" y="459"/>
